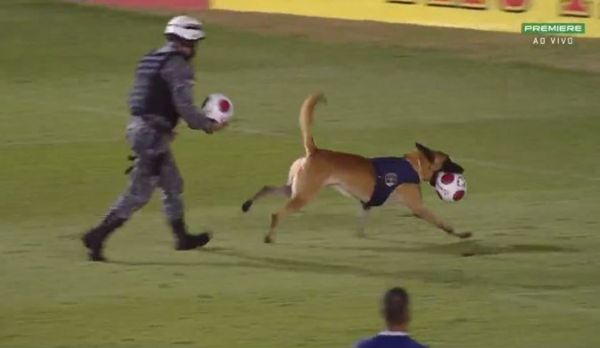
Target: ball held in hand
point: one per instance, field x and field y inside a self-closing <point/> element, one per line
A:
<point x="218" y="107"/>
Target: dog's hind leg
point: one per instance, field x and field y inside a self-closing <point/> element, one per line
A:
<point x="285" y="191"/>
<point x="293" y="205"/>
<point x="303" y="191"/>
<point x="363" y="218"/>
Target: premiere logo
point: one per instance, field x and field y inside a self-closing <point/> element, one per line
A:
<point x="553" y="34"/>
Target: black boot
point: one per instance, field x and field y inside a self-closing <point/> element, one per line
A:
<point x="94" y="238"/>
<point x="186" y="241"/>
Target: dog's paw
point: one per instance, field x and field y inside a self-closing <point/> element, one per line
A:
<point x="464" y="235"/>
<point x="246" y="206"/>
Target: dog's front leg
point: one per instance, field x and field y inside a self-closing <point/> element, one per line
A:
<point x="423" y="213"/>
<point x="411" y="196"/>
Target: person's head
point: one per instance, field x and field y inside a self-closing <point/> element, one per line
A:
<point x="185" y="32"/>
<point x="395" y="308"/>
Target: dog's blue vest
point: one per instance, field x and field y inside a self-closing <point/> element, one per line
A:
<point x="390" y="173"/>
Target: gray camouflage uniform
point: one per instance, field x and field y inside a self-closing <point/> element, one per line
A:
<point x="150" y="136"/>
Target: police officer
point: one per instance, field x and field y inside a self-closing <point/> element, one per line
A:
<point x="161" y="95"/>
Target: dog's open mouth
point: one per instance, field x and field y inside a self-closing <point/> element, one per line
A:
<point x="447" y="167"/>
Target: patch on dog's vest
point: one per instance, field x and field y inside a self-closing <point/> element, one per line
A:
<point x="390" y="172"/>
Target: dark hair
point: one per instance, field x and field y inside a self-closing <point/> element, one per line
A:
<point x="395" y="306"/>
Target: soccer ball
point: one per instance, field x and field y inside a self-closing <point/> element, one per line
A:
<point x="450" y="187"/>
<point x="218" y="107"/>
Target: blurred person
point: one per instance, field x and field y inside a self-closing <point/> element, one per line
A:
<point x="396" y="313"/>
<point x="162" y="93"/>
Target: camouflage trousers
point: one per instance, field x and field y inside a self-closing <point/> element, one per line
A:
<point x="154" y="167"/>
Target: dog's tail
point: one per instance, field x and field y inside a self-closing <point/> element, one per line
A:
<point x="306" y="120"/>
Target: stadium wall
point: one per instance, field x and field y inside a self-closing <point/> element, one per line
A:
<point x="494" y="15"/>
<point x="183" y="5"/>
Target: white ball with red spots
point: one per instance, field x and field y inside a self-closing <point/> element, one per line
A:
<point x="218" y="107"/>
<point x="451" y="187"/>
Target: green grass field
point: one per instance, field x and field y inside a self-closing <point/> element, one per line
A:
<point x="527" y="135"/>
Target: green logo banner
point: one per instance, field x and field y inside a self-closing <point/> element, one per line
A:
<point x="553" y="28"/>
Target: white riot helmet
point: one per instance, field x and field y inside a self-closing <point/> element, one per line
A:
<point x="186" y="28"/>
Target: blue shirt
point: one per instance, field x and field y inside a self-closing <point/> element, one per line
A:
<point x="390" y="339"/>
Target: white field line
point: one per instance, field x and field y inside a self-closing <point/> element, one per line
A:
<point x="98" y="111"/>
<point x="487" y="164"/>
<point x="533" y="171"/>
<point x="245" y="130"/>
<point x="34" y="142"/>
<point x="577" y="290"/>
<point x="549" y="304"/>
<point x="60" y="142"/>
<point x="75" y="108"/>
<point x="252" y="131"/>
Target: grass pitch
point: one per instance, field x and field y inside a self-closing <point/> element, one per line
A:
<point x="527" y="135"/>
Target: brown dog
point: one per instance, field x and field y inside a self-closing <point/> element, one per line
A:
<point x="355" y="176"/>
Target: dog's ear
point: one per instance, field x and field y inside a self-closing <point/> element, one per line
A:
<point x="452" y="167"/>
<point x="429" y="153"/>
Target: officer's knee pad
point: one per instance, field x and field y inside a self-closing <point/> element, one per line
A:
<point x="151" y="165"/>
<point x="174" y="186"/>
<point x="140" y="199"/>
